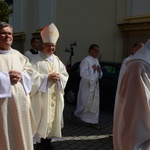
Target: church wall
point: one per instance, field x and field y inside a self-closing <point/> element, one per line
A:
<point x="93" y="22"/>
<point x="86" y="22"/>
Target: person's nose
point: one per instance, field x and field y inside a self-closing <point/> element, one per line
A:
<point x="8" y="35"/>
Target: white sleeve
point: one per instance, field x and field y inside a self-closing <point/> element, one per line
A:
<point x="85" y="71"/>
<point x="26" y="82"/>
<point x="5" y="85"/>
<point x="62" y="82"/>
<point x="101" y="74"/>
<point x="44" y="85"/>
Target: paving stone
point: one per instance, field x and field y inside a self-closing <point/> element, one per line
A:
<point x="81" y="137"/>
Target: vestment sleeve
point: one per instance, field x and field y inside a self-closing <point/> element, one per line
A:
<point x="44" y="85"/>
<point x="63" y="77"/>
<point x="5" y="85"/>
<point x="85" y="71"/>
<point x="26" y="82"/>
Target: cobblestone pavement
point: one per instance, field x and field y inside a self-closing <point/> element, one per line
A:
<point x="81" y="137"/>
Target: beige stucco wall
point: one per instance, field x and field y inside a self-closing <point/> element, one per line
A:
<point x="83" y="21"/>
<point x="87" y="22"/>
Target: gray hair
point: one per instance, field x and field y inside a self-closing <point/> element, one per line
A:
<point x="5" y="24"/>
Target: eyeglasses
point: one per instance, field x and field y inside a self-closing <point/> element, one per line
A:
<point x="96" y="50"/>
<point x="6" y="33"/>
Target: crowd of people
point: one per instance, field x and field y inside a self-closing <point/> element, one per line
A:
<point x="32" y="94"/>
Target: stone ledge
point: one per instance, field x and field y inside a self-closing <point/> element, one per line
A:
<point x="136" y="24"/>
<point x="19" y="35"/>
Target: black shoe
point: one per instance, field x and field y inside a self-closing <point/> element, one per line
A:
<point x="47" y="144"/>
<point x="74" y="119"/>
<point x="40" y="146"/>
<point x="35" y="147"/>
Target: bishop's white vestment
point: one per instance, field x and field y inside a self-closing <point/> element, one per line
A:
<point x="47" y="97"/>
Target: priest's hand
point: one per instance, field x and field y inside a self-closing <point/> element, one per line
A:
<point x="15" y="76"/>
<point x="94" y="68"/>
<point x="53" y="77"/>
<point x="98" y="69"/>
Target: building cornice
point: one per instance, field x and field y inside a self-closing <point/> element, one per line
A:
<point x="37" y="33"/>
<point x="19" y="35"/>
<point x="135" y="25"/>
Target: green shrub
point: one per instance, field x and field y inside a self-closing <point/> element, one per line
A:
<point x="4" y="11"/>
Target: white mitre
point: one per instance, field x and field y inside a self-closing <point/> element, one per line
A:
<point x="50" y="34"/>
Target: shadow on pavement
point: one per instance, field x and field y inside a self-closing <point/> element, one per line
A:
<point x="82" y="137"/>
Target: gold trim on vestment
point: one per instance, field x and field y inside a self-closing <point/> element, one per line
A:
<point x="52" y="106"/>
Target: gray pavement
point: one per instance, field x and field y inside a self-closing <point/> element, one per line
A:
<point x="82" y="137"/>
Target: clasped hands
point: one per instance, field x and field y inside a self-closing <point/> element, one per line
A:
<point x="15" y="76"/>
<point x="96" y="68"/>
<point x="53" y="77"/>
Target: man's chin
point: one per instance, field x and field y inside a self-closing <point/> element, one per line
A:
<point x="50" y="54"/>
<point x="8" y="43"/>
